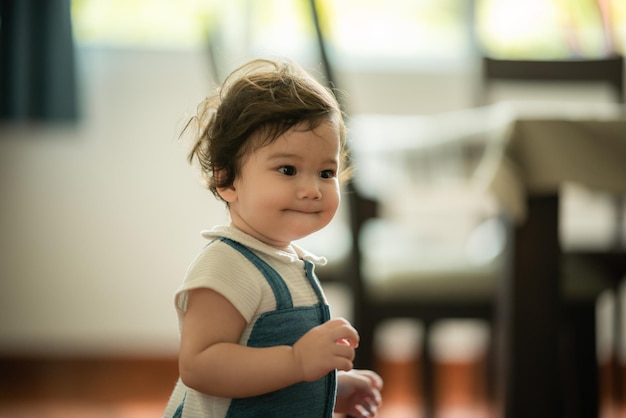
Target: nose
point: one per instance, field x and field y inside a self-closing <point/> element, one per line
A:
<point x="309" y="189"/>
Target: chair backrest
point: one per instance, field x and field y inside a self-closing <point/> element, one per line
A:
<point x="609" y="70"/>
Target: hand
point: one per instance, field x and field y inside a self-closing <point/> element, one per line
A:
<point x="325" y="348"/>
<point x="358" y="393"/>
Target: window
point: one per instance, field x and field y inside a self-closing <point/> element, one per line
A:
<point x="362" y="33"/>
<point x="144" y="23"/>
<point x="398" y="33"/>
<point x="556" y="29"/>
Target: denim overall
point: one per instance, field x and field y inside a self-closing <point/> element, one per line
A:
<point x="285" y="326"/>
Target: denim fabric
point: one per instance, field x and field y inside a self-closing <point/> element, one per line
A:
<point x="285" y="326"/>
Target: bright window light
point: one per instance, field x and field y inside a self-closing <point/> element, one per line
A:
<point x="557" y="29"/>
<point x="363" y="33"/>
<point x="145" y="23"/>
<point x="400" y="31"/>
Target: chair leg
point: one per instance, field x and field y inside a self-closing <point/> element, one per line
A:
<point x="619" y="243"/>
<point x="428" y="373"/>
<point x="579" y="363"/>
<point x="616" y="364"/>
<point x="489" y="370"/>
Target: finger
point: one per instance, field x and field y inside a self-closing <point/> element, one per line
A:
<point x="341" y="323"/>
<point x="349" y="343"/>
<point x="346" y="335"/>
<point x="343" y="363"/>
<point x="338" y="322"/>
<point x="373" y="404"/>
<point x="370" y="405"/>
<point x="373" y="377"/>
<point x="361" y="411"/>
<point x="345" y="351"/>
<point x="378" y="399"/>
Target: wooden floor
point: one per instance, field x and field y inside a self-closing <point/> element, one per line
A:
<point x="139" y="388"/>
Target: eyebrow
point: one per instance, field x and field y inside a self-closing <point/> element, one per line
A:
<point x="286" y="155"/>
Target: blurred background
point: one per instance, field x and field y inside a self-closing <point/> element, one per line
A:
<point x="99" y="211"/>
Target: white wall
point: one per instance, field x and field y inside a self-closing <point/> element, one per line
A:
<point x="99" y="221"/>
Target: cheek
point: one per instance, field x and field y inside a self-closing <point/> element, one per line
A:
<point x="333" y="198"/>
<point x="269" y="196"/>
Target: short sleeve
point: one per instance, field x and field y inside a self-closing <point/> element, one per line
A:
<point x="224" y="270"/>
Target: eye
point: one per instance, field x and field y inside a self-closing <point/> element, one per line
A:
<point x="327" y="174"/>
<point x="287" y="170"/>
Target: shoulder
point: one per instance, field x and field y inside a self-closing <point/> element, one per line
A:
<point x="222" y="268"/>
<point x="216" y="255"/>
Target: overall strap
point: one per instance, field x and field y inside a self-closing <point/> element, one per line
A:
<point x="315" y="283"/>
<point x="281" y="292"/>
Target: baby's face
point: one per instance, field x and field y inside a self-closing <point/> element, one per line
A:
<point x="288" y="189"/>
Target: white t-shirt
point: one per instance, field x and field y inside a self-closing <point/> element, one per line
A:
<point x="225" y="270"/>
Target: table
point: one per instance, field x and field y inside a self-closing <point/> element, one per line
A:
<point x="539" y="156"/>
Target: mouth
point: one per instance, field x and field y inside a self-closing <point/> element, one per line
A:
<point x="303" y="211"/>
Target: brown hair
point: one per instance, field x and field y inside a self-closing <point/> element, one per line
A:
<point x="257" y="103"/>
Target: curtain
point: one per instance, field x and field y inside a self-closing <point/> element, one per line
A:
<point x="37" y="67"/>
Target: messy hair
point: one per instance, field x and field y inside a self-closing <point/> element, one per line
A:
<point x="256" y="104"/>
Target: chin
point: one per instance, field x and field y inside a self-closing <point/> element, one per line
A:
<point x="296" y="237"/>
<point x="300" y="231"/>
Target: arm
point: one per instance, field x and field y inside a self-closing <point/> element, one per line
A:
<point x="211" y="360"/>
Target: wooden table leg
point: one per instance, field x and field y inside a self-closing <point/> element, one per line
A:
<point x="527" y="318"/>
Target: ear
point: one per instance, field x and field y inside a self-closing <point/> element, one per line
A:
<point x="229" y="194"/>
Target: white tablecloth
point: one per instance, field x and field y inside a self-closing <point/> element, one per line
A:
<point x="530" y="147"/>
